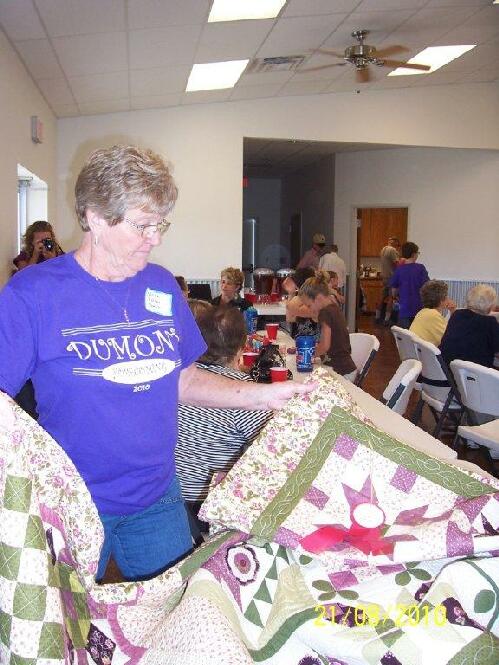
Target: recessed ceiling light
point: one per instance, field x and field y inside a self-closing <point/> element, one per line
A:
<point x="433" y="56"/>
<point x="239" y="10"/>
<point x="215" y="75"/>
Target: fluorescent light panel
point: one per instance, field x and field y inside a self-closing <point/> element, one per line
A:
<point x="215" y="75"/>
<point x="240" y="10"/>
<point x="433" y="56"/>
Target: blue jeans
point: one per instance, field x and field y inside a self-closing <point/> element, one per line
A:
<point x="146" y="543"/>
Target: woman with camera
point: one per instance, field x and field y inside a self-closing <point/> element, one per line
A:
<point x="40" y="244"/>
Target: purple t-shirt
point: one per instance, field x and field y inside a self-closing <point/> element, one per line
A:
<point x="106" y="389"/>
<point x="408" y="279"/>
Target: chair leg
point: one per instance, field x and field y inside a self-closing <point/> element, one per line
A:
<point x="443" y="415"/>
<point x="418" y="412"/>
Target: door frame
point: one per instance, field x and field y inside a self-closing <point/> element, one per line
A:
<point x="354" y="258"/>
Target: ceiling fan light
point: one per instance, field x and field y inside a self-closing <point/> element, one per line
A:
<point x="434" y="57"/>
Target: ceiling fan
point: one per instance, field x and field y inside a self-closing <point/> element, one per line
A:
<point x="362" y="55"/>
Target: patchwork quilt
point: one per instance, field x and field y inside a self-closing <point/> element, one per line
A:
<point x="332" y="543"/>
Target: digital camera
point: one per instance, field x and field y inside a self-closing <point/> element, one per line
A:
<point x="49" y="244"/>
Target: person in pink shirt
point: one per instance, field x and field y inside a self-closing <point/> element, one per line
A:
<point x="312" y="256"/>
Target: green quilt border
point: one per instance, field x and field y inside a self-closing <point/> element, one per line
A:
<point x="340" y="422"/>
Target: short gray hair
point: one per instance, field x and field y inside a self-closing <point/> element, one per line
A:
<point x="115" y="179"/>
<point x="481" y="298"/>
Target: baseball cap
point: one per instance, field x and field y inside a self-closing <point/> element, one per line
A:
<point x="319" y="239"/>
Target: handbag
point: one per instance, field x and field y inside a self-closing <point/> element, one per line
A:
<point x="269" y="357"/>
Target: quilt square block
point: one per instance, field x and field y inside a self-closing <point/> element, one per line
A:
<point x="17" y="494"/>
<point x="30" y="602"/>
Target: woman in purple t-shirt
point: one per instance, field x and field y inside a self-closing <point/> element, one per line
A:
<point x="110" y="344"/>
<point x="406" y="283"/>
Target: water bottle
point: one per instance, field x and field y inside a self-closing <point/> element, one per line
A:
<point x="251" y="318"/>
<point x="305" y="346"/>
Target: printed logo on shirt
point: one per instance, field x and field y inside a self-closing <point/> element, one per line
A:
<point x="158" y="302"/>
<point x="136" y="351"/>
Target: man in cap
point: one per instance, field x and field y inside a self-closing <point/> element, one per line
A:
<point x="312" y="256"/>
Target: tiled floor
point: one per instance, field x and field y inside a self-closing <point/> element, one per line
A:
<point x="382" y="370"/>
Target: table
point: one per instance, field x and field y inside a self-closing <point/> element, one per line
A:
<point x="271" y="309"/>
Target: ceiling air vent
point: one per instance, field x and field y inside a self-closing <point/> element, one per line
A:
<point x="284" y="63"/>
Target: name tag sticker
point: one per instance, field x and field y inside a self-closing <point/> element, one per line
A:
<point x="158" y="302"/>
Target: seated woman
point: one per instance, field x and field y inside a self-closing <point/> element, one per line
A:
<point x="298" y="314"/>
<point x="231" y="282"/>
<point x="183" y="286"/>
<point x="39" y="244"/>
<point x="430" y="323"/>
<point x="213" y="439"/>
<point x="334" y="342"/>
<point x="471" y="334"/>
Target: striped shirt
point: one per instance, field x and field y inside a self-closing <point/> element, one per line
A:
<point x="212" y="439"/>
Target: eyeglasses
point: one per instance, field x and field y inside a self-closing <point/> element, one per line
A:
<point x="148" y="230"/>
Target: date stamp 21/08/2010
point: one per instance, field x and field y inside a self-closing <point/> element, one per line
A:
<point x="374" y="615"/>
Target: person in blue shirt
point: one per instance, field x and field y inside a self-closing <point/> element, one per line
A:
<point x="406" y="283"/>
<point x="110" y="345"/>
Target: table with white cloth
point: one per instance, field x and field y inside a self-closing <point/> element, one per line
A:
<point x="271" y="309"/>
<point x="384" y="418"/>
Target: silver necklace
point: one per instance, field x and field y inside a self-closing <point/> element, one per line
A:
<point x="123" y="308"/>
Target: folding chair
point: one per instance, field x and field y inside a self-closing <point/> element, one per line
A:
<point x="479" y="393"/>
<point x="406" y="343"/>
<point x="438" y="389"/>
<point x="398" y="391"/>
<point x="364" y="348"/>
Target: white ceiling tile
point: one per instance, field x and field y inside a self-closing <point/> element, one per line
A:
<point x="295" y="87"/>
<point x="255" y="91"/>
<point x="457" y="3"/>
<point x="484" y="74"/>
<point x="110" y="106"/>
<point x="158" y="80"/>
<point x="296" y="35"/>
<point x="65" y="110"/>
<point x="39" y="57"/>
<point x="479" y="28"/>
<point x="92" y="54"/>
<point x="314" y="7"/>
<point x="73" y="17"/>
<point x="428" y="26"/>
<point x="99" y="87"/>
<point x="343" y="85"/>
<point x="20" y="20"/>
<point x="440" y="77"/>
<point x="56" y="91"/>
<point x="161" y="46"/>
<point x="159" y="14"/>
<point x="383" y="5"/>
<point x="380" y="24"/>
<point x="201" y="96"/>
<point x="155" y="101"/>
<point x="263" y="78"/>
<point x="231" y="40"/>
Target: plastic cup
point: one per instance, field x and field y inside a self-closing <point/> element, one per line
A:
<point x="278" y="374"/>
<point x="271" y="330"/>
<point x="249" y="358"/>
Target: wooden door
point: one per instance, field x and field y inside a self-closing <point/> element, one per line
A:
<point x="377" y="225"/>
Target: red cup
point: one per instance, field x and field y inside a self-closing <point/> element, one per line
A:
<point x="249" y="358"/>
<point x="278" y="374"/>
<point x="250" y="297"/>
<point x="271" y="330"/>
<point x="274" y="297"/>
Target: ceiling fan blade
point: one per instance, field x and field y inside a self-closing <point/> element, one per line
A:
<point x="390" y="50"/>
<point x="327" y="51"/>
<point x="399" y="63"/>
<point x="316" y="69"/>
<point x="362" y="75"/>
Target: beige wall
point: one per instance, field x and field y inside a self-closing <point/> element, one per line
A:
<point x="19" y="100"/>
<point x="205" y="142"/>
<point x="453" y="200"/>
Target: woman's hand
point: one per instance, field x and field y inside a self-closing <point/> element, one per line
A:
<point x="275" y="396"/>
